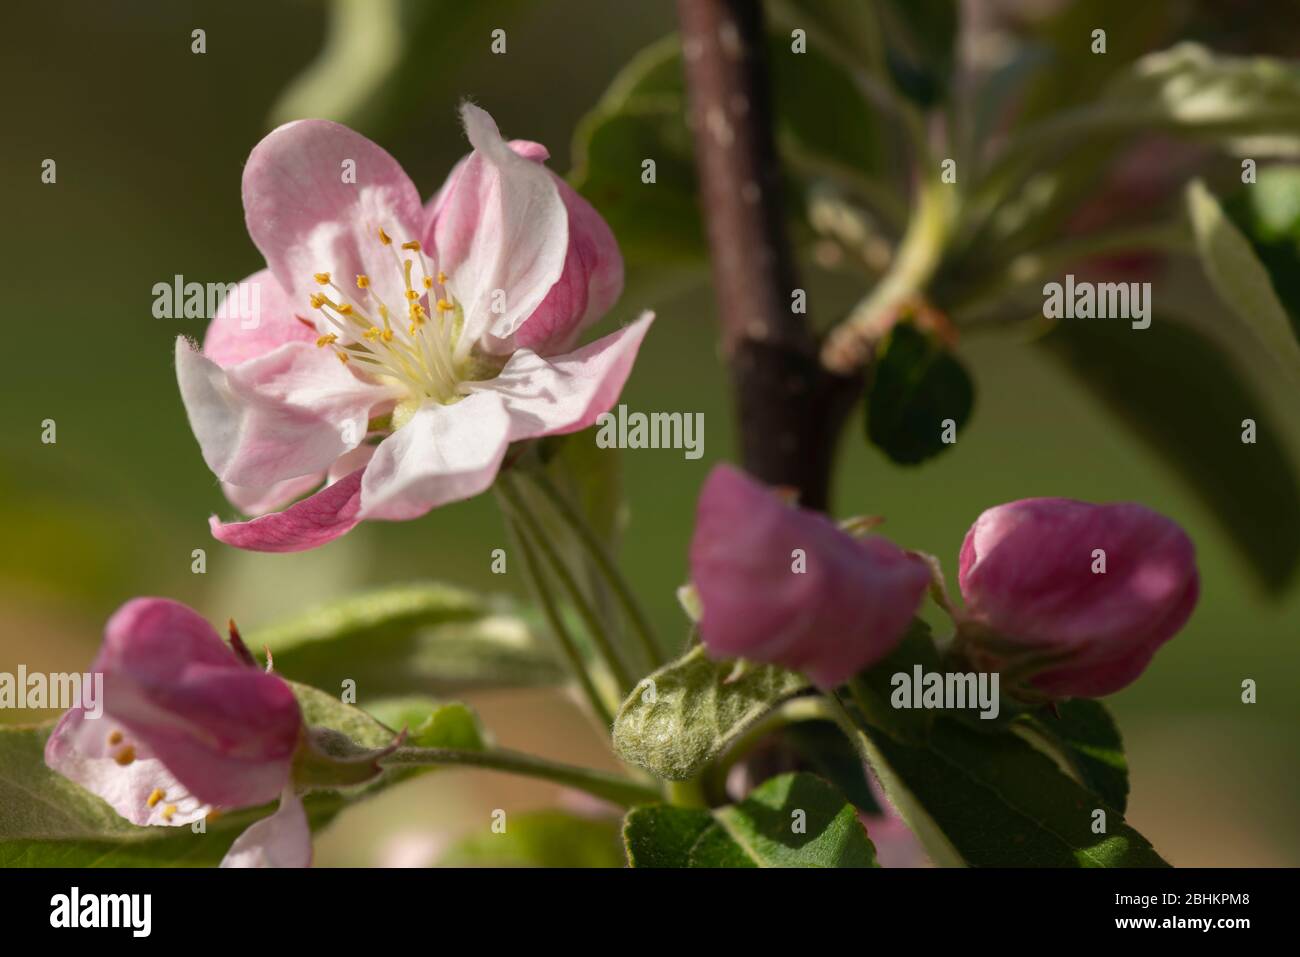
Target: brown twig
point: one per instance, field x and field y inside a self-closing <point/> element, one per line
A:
<point x="790" y="409"/>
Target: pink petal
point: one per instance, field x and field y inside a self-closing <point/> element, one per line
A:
<point x="251" y="325"/>
<point x="321" y="518"/>
<point x="288" y="413"/>
<point x="501" y="231"/>
<point x="280" y="840"/>
<point x="260" y="500"/>
<point x="445" y="453"/>
<point x="567" y="393"/>
<point x="305" y="219"/>
<point x="79" y="750"/>
<point x="847" y="609"/>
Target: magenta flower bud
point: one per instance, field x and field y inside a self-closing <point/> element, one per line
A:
<point x="187" y="725"/>
<point x="1081" y="595"/>
<point x="783" y="585"/>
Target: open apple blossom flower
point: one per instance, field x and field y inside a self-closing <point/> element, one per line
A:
<point x="784" y="585"/>
<point x="1038" y="599"/>
<point x="401" y="348"/>
<point x="188" y="728"/>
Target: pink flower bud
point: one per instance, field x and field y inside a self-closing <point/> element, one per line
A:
<point x="784" y="585"/>
<point x="1081" y="594"/>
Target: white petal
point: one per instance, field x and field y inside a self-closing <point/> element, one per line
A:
<point x="281" y="840"/>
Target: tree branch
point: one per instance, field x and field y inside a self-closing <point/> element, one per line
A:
<point x="790" y="409"/>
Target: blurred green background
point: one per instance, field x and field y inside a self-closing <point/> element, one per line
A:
<point x="149" y="139"/>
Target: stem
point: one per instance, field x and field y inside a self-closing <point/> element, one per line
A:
<point x="610" y="787"/>
<point x="588" y="614"/>
<point x="790" y="408"/>
<point x="605" y="564"/>
<point x="538" y="586"/>
<point x="851" y="344"/>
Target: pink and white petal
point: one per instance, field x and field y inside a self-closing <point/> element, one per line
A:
<point x="501" y="233"/>
<point x="79" y="750"/>
<point x="567" y="393"/>
<point x="289" y="413"/>
<point x="316" y="520"/>
<point x="281" y="840"/>
<point x="591" y="283"/>
<point x="254" y="320"/>
<point x="261" y="500"/>
<point x="445" y="453"/>
<point x="525" y="148"/>
<point x="156" y="638"/>
<point x="306" y="219"/>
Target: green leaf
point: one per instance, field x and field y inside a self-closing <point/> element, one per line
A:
<point x="1268" y="214"/>
<point x="825" y="749"/>
<point x="47" y="821"/>
<point x="541" y="839"/>
<point x="994" y="800"/>
<point x="406" y="639"/>
<point x="794" y="820"/>
<point x="874" y="688"/>
<point x="432" y="724"/>
<point x="683" y="714"/>
<point x="1176" y="391"/>
<point x="916" y="383"/>
<point x="1087" y="737"/>
<point x="1240" y="278"/>
<point x="824" y="127"/>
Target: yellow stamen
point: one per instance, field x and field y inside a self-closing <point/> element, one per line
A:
<point x="318" y="300"/>
<point x="384" y="237"/>
<point x="169" y="812"/>
<point x="326" y="340"/>
<point x="412" y="295"/>
<point x="373" y="333"/>
<point x="363" y="281"/>
<point x="442" y="278"/>
<point x="428" y="283"/>
<point x="343" y="357"/>
<point x="411" y="244"/>
<point x="344" y="309"/>
<point x="125" y="756"/>
<point x="444" y="305"/>
<point x="115" y="737"/>
<point x="155" y="796"/>
<point x="322" y="277"/>
<point x="387" y="336"/>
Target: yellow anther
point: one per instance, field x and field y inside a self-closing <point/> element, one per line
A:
<point x="169" y="812"/>
<point x="417" y="312"/>
<point x="363" y="281"/>
<point x="115" y="737"/>
<point x="322" y="277"/>
<point x="125" y="756"/>
<point x="411" y="244"/>
<point x="412" y="295"/>
<point x="317" y="300"/>
<point x="428" y="283"/>
<point x="444" y="305"/>
<point x="387" y="335"/>
<point x="155" y="796"/>
<point x="442" y="278"/>
<point x="384" y="237"/>
<point x="373" y="333"/>
<point x="326" y="340"/>
<point x="411" y="329"/>
<point x="343" y="357"/>
<point x="344" y="309"/>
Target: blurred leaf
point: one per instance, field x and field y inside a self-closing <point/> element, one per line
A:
<point x="541" y="839"/>
<point x="1089" y="740"/>
<point x="794" y="820"/>
<point x="996" y="801"/>
<point x="680" y="716"/>
<point x="1179" y="393"/>
<point x="375" y="62"/>
<point x="916" y="383"/>
<point x="1268" y="214"/>
<point x="1241" y="279"/>
<point x="402" y="639"/>
<point x="921" y="39"/>
<point x="47" y="821"/>
<point x="823" y="124"/>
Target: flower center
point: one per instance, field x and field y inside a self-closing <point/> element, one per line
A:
<point x="413" y="343"/>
